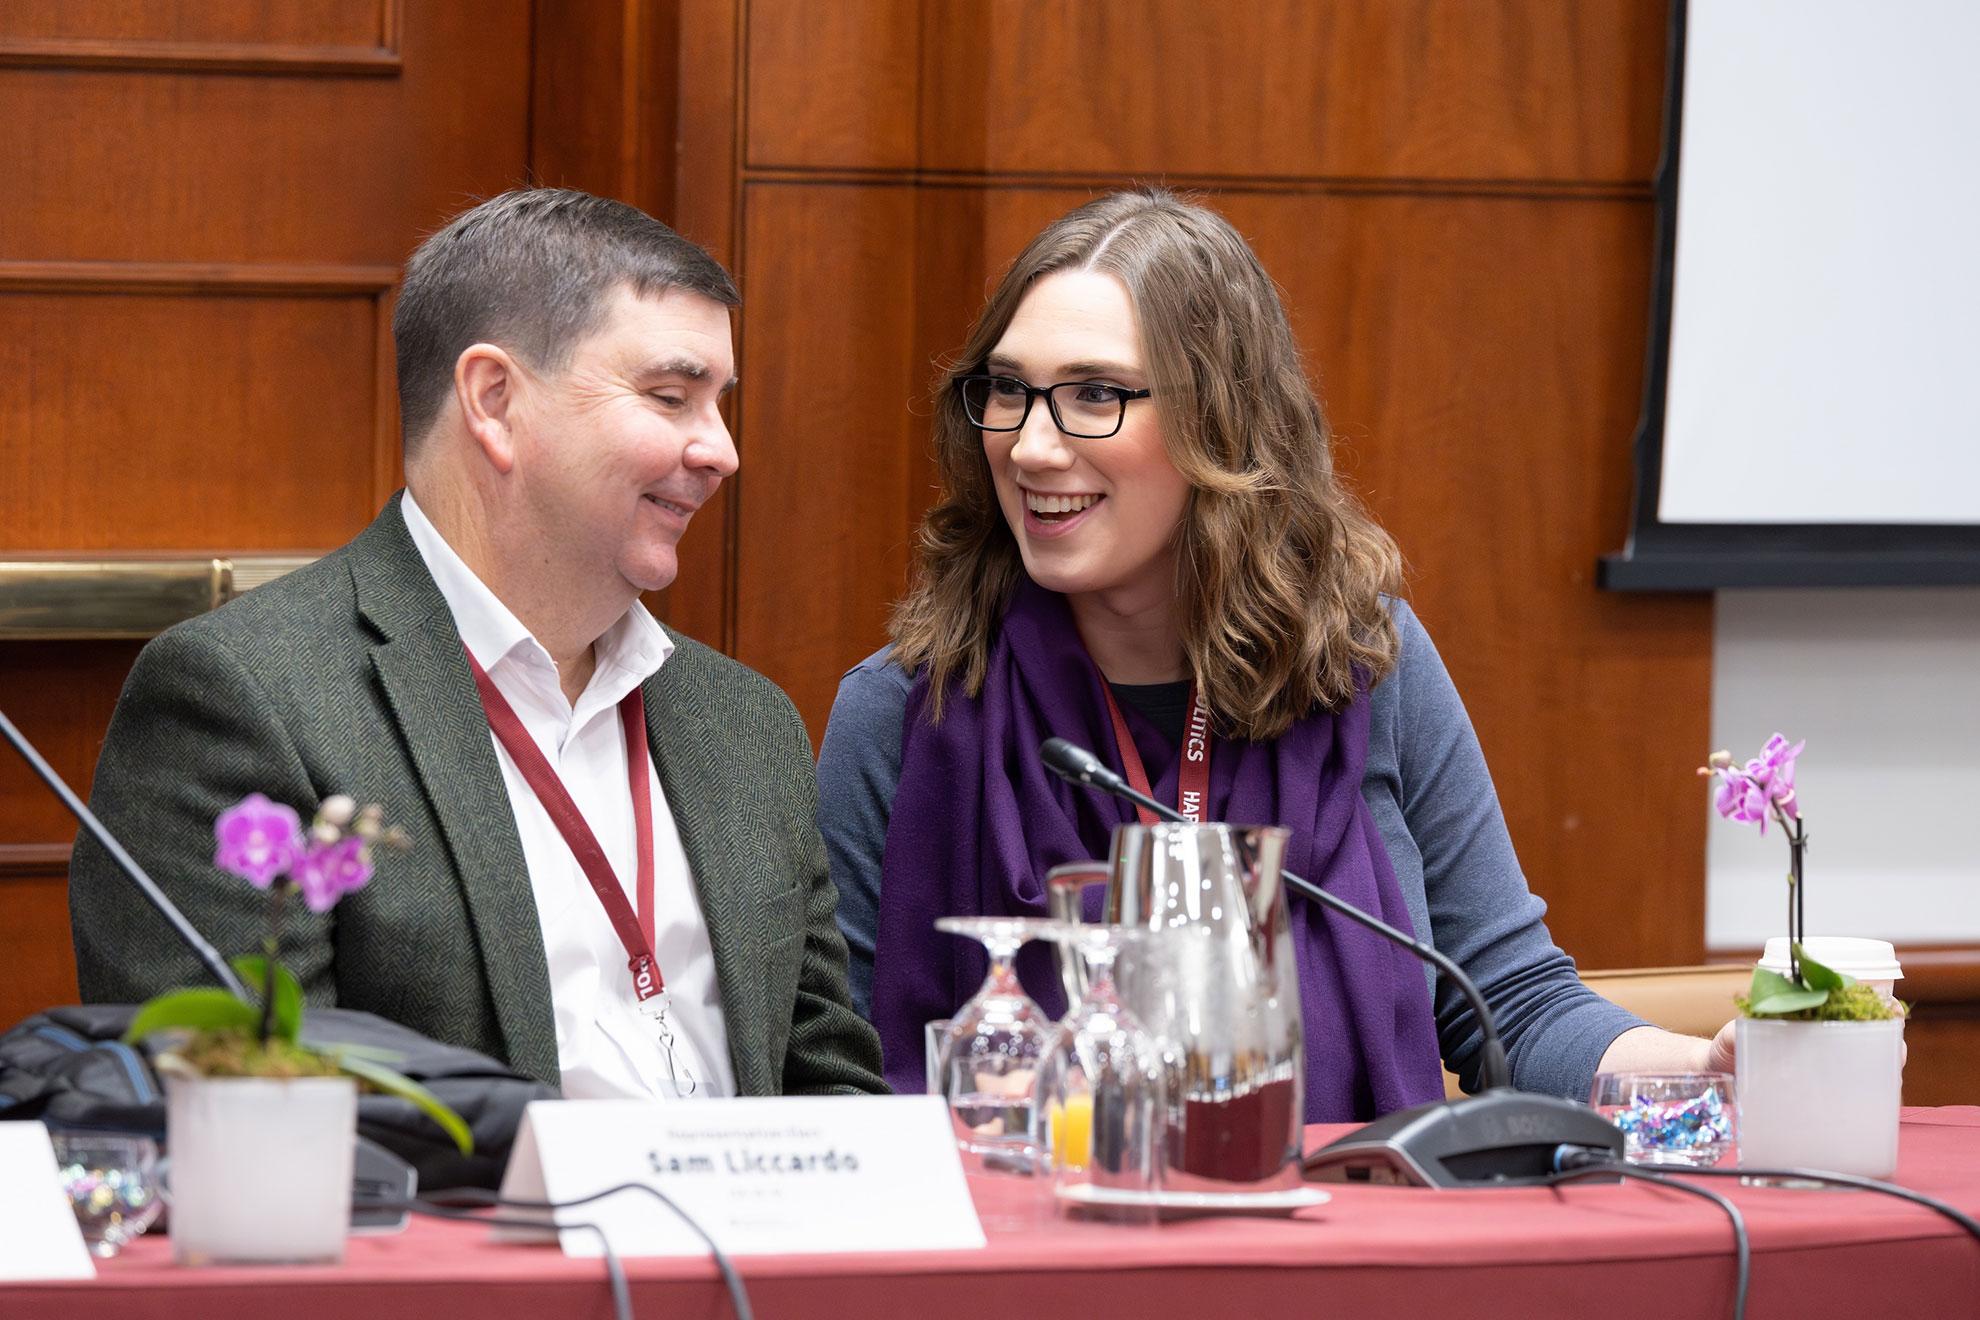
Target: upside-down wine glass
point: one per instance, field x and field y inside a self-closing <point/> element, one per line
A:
<point x="990" y="1053"/>
<point x="1098" y="1109"/>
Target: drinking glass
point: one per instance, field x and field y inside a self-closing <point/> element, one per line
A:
<point x="112" y="1186"/>
<point x="1098" y="1112"/>
<point x="990" y="1052"/>
<point x="932" y="1033"/>
<point x="1688" y="1119"/>
<point x="1065" y="900"/>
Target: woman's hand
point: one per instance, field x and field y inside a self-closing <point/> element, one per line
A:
<point x="1719" y="1056"/>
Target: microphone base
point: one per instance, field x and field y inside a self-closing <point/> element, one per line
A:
<point x="1498" y="1138"/>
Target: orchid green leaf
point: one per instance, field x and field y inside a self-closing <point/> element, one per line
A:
<point x="253" y="969"/>
<point x="1773" y="995"/>
<point x="396" y="1083"/>
<point x="1790" y="1001"/>
<point x="192" y="1010"/>
<point x="1818" y="977"/>
<point x="1767" y="984"/>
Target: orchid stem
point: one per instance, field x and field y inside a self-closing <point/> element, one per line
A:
<point x="1796" y="843"/>
<point x="271" y="946"/>
<point x="1796" y="913"/>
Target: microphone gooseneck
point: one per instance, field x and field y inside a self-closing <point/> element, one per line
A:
<point x="1498" y="1138"/>
<point x="1077" y="765"/>
<point x="184" y="929"/>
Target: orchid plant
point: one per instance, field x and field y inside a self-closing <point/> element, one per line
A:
<point x="265" y="844"/>
<point x="1755" y="793"/>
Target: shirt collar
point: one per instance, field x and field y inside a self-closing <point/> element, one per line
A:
<point x="627" y="653"/>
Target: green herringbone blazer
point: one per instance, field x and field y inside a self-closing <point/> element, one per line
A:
<point x="349" y="676"/>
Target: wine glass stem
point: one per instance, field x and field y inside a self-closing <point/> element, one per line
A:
<point x="1100" y="970"/>
<point x="1003" y="965"/>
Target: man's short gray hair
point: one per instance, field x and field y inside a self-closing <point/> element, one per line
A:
<point x="531" y="270"/>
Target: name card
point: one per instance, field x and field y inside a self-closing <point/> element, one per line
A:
<point x="785" y="1175"/>
<point x="38" y="1234"/>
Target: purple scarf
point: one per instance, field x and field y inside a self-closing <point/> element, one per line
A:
<point x="978" y="820"/>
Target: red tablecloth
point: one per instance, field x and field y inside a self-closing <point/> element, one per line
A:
<point x="1597" y="1250"/>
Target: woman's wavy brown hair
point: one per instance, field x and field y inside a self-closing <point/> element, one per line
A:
<point x="1280" y="571"/>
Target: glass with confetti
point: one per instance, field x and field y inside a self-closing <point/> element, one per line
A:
<point x="1689" y="1119"/>
<point x="109" y="1181"/>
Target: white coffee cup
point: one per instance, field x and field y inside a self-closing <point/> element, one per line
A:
<point x="1873" y="962"/>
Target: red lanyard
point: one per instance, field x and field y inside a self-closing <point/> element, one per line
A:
<point x="1192" y="778"/>
<point x="635" y="930"/>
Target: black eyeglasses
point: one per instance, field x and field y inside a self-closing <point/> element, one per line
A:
<point x="1082" y="409"/>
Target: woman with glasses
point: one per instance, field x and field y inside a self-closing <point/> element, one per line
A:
<point x="1140" y="541"/>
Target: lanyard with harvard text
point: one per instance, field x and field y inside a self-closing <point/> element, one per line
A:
<point x="635" y="929"/>
<point x="1192" y="776"/>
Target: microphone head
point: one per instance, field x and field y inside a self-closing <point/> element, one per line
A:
<point x="1071" y="761"/>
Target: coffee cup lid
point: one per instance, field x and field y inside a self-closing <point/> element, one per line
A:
<point x="1866" y="960"/>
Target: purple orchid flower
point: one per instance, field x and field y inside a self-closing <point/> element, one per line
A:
<point x="327" y="872"/>
<point x="1742" y="798"/>
<point x="1750" y="794"/>
<point x="257" y="840"/>
<point x="1774" y="769"/>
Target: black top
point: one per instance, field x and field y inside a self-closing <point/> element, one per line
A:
<point x="1165" y="705"/>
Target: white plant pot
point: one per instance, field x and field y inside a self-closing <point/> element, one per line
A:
<point x="260" y="1167"/>
<point x="1820" y="1095"/>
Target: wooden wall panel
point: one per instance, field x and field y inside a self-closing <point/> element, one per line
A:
<point x="60" y="694"/>
<point x="256" y="419"/>
<point x="146" y="166"/>
<point x="230" y="22"/>
<point x="195" y="286"/>
<point x="708" y="209"/>
<point x="341" y="37"/>
<point x="825" y="457"/>
<point x="863" y="113"/>
<point x="1943" y="1045"/>
<point x="1544" y="90"/>
<point x="602" y="99"/>
<point x="37" y="968"/>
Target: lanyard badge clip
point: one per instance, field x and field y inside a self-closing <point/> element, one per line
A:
<point x="654" y="1004"/>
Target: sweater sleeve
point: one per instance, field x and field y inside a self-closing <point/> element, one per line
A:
<point x="859" y="767"/>
<point x="1481" y="912"/>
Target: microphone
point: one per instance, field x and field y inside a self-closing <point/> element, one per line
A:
<point x="186" y="931"/>
<point x="1075" y="763"/>
<point x="1499" y="1136"/>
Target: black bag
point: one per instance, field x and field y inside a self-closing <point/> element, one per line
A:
<point x="69" y="1068"/>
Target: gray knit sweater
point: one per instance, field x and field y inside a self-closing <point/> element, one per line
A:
<point x="1432" y="798"/>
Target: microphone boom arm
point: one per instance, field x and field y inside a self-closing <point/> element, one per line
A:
<point x="1080" y="766"/>
<point x="186" y="931"/>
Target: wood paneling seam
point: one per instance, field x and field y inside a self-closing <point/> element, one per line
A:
<point x="165" y="277"/>
<point x="199" y="57"/>
<point x="1296" y="185"/>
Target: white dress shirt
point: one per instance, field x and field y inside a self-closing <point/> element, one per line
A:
<point x="606" y="1047"/>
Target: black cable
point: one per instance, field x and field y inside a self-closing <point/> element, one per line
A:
<point x="481" y="1196"/>
<point x="1588" y="1165"/>
<point x="1952" y="1212"/>
<point x="614" y="1270"/>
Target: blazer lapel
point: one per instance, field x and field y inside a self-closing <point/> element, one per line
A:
<point x="698" y="780"/>
<point x="431" y="694"/>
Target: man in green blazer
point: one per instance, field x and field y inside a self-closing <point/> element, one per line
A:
<point x="561" y="359"/>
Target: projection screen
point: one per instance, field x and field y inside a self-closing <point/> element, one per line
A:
<point x="1810" y="413"/>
